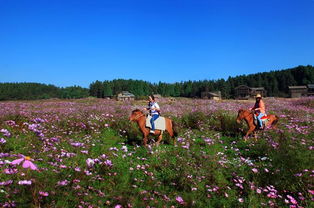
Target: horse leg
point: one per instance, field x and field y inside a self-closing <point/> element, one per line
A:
<point x="159" y="139"/>
<point x="171" y="133"/>
<point x="251" y="129"/>
<point x="145" y="139"/>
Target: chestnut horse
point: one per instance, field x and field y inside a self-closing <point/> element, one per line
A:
<point x="249" y="119"/>
<point x="140" y="118"/>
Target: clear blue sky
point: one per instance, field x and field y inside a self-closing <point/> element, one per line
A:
<point x="75" y="42"/>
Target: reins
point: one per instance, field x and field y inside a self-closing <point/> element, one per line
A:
<point x="138" y="116"/>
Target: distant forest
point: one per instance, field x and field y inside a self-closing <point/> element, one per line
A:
<point x="275" y="82"/>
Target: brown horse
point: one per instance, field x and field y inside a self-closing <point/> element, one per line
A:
<point x="139" y="117"/>
<point x="249" y="119"/>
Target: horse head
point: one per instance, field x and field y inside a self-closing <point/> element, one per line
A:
<point x="241" y="115"/>
<point x="135" y="115"/>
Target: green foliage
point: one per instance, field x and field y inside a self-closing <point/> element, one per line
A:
<point x="275" y="82"/>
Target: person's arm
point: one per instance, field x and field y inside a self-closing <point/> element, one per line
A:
<point x="262" y="105"/>
<point x="156" y="107"/>
<point x="253" y="108"/>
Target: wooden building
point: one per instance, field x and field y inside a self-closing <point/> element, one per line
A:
<point x="258" y="90"/>
<point x="310" y="90"/>
<point x="157" y="96"/>
<point x="297" y="91"/>
<point x="211" y="95"/>
<point x="244" y="92"/>
<point x="125" y="95"/>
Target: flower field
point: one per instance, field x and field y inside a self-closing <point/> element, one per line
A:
<point x="86" y="153"/>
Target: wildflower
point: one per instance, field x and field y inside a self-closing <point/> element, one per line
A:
<point x="10" y="123"/>
<point x="10" y="171"/>
<point x="5" y="132"/>
<point x="255" y="170"/>
<point x="63" y="183"/>
<point x="42" y="193"/>
<point x="6" y="183"/>
<point x="292" y="200"/>
<point x="179" y="200"/>
<point x="2" y="141"/>
<point x="241" y="200"/>
<point x="26" y="164"/>
<point x="77" y="144"/>
<point x="118" y="206"/>
<point x="108" y="163"/>
<point x="25" y="182"/>
<point x="311" y="192"/>
<point x="124" y="148"/>
<point x="90" y="162"/>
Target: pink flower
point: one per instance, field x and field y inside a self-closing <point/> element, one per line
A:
<point x="258" y="191"/>
<point x="63" y="183"/>
<point x="41" y="193"/>
<point x="108" y="163"/>
<point x="118" y="206"/>
<point x="90" y="162"/>
<point x="255" y="170"/>
<point x="26" y="164"/>
<point x="311" y="192"/>
<point x="241" y="200"/>
<point x="179" y="200"/>
<point x="25" y="182"/>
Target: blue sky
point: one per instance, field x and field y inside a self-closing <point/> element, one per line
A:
<point x="75" y="42"/>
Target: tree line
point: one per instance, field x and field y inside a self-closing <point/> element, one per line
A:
<point x="34" y="91"/>
<point x="275" y="83"/>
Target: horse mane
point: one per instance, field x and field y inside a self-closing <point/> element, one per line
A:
<point x="136" y="111"/>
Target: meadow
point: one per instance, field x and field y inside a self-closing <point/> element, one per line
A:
<point x="86" y="153"/>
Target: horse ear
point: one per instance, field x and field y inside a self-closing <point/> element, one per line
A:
<point x="240" y="111"/>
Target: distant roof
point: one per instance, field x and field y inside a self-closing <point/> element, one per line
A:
<point x="126" y="94"/>
<point x="297" y="87"/>
<point x="310" y="86"/>
<point x="257" y="88"/>
<point x="214" y="94"/>
<point x="242" y="86"/>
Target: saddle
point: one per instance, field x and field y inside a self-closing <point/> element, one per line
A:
<point x="160" y="123"/>
<point x="264" y="119"/>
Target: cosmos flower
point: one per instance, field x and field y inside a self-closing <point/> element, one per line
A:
<point x="180" y="200"/>
<point x="26" y="163"/>
<point x="25" y="182"/>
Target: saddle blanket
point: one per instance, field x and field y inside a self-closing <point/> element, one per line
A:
<point x="263" y="118"/>
<point x="160" y="123"/>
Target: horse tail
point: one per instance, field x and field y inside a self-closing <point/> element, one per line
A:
<point x="275" y="121"/>
<point x="174" y="127"/>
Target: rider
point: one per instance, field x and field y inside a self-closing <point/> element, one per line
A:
<point x="259" y="107"/>
<point x="154" y="111"/>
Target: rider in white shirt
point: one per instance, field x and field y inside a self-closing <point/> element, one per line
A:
<point x="154" y="111"/>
